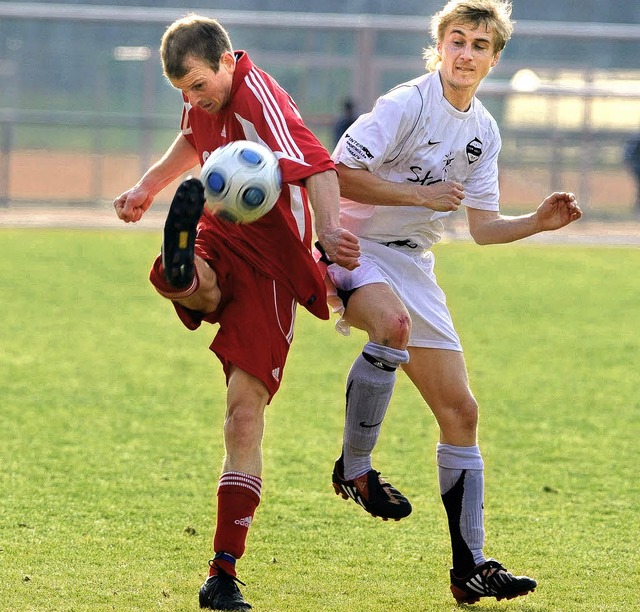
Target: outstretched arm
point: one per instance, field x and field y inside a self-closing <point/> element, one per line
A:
<point x="133" y="203"/>
<point x="556" y="211"/>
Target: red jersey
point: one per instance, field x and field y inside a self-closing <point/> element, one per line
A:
<point x="279" y="244"/>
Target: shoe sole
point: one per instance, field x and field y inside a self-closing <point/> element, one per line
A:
<point x="462" y="597"/>
<point x="180" y="233"/>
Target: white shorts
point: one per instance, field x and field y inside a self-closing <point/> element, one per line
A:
<point x="409" y="272"/>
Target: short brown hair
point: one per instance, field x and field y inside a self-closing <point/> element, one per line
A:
<point x="494" y="14"/>
<point x="193" y="36"/>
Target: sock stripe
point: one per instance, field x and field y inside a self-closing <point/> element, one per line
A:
<point x="239" y="479"/>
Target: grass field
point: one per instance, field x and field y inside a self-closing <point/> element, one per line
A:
<point x="110" y="439"/>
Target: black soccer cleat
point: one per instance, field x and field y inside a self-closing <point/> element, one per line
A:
<point x="378" y="497"/>
<point x="489" y="579"/>
<point x="222" y="593"/>
<point x="180" y="233"/>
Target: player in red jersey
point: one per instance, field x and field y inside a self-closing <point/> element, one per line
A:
<point x="246" y="278"/>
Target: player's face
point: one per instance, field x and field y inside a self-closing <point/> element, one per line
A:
<point x="467" y="56"/>
<point x="205" y="88"/>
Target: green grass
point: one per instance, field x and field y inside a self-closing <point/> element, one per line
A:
<point x="110" y="439"/>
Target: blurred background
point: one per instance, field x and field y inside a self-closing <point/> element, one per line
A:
<point x="84" y="108"/>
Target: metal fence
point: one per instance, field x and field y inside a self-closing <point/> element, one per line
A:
<point x="84" y="108"/>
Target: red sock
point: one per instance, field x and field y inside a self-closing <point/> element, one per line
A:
<point x="238" y="498"/>
<point x="156" y="276"/>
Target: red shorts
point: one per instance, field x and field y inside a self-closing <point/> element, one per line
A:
<point x="256" y="315"/>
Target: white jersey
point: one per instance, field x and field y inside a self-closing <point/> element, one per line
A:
<point x="414" y="134"/>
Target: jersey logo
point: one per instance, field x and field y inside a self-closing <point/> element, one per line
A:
<point x="433" y="142"/>
<point x="359" y="151"/>
<point x="474" y="150"/>
<point x="446" y="164"/>
<point x="428" y="178"/>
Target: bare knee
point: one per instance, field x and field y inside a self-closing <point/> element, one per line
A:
<point x="377" y="310"/>
<point x="459" y="422"/>
<point x="247" y="399"/>
<point x="243" y="425"/>
<point x="467" y="414"/>
<point x="392" y="329"/>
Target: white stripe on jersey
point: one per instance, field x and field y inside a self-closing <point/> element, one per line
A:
<point x="251" y="133"/>
<point x="185" y="128"/>
<point x="298" y="210"/>
<point x="288" y="334"/>
<point x="273" y="115"/>
<point x="296" y="202"/>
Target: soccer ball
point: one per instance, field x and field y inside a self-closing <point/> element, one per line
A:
<point x="242" y="181"/>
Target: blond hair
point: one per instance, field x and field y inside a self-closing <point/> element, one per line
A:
<point x="495" y="15"/>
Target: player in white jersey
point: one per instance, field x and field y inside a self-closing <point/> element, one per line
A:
<point x="427" y="147"/>
<point x="414" y="135"/>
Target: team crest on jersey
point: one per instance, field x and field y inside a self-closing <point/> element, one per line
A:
<point x="474" y="150"/>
